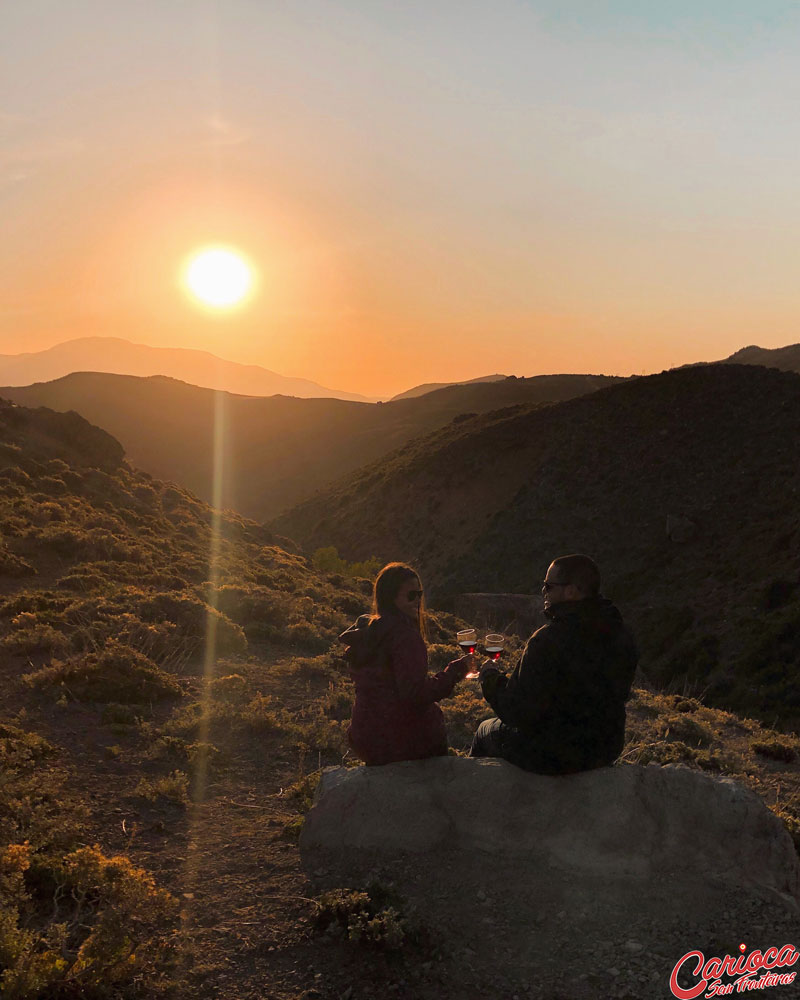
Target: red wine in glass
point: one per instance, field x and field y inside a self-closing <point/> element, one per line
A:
<point x="494" y="643"/>
<point x="468" y="641"/>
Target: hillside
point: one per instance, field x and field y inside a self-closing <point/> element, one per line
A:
<point x="121" y="357"/>
<point x="425" y="387"/>
<point x="485" y="503"/>
<point x="787" y="359"/>
<point x="170" y="691"/>
<point x="275" y="451"/>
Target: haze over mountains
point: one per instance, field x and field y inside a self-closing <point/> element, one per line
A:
<point x="485" y="503"/>
<point x="277" y="450"/>
<point x="121" y="357"/>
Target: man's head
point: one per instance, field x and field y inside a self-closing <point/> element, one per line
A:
<point x="570" y="578"/>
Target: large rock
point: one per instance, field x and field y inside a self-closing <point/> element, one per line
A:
<point x="626" y="822"/>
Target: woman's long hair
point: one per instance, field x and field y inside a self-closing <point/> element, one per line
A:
<point x="387" y="586"/>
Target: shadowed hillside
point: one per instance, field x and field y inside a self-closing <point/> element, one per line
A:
<point x="274" y="451"/>
<point x="421" y="390"/>
<point x="787" y="359"/>
<point x="170" y="690"/>
<point x="710" y="452"/>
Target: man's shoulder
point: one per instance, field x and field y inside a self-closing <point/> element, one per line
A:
<point x="543" y="639"/>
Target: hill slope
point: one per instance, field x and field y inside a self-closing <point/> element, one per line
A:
<point x="785" y="358"/>
<point x="486" y="503"/>
<point x="121" y="357"/>
<point x="421" y="390"/>
<point x="275" y="451"/>
<point x="170" y="690"/>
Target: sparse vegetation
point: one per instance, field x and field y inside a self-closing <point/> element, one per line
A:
<point x="328" y="560"/>
<point x="119" y="634"/>
<point x="117" y="674"/>
<point x="373" y="917"/>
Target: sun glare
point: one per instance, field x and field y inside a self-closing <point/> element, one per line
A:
<point x="218" y="277"/>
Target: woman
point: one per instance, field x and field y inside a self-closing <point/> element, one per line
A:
<point x="395" y="716"/>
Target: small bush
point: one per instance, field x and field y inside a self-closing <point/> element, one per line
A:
<point x="174" y="787"/>
<point x="687" y="730"/>
<point x="14" y="565"/>
<point x="308" y="636"/>
<point x="34" y="638"/>
<point x="775" y="750"/>
<point x="373" y="918"/>
<point x="119" y="715"/>
<point x="260" y="714"/>
<point x="328" y="560"/>
<point x="303" y="790"/>
<point x="79" y="925"/>
<point x="116" y="674"/>
<point x="232" y="688"/>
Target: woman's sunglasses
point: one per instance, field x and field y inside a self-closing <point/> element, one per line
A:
<point x="414" y="595"/>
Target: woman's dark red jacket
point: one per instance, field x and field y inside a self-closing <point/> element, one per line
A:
<point x="395" y="716"/>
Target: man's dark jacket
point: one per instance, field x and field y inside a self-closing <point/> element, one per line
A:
<point x="564" y="702"/>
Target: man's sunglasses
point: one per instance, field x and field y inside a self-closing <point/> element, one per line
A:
<point x="549" y="584"/>
<point x="413" y="595"/>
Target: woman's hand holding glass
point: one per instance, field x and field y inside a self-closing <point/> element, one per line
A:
<point x="493" y="648"/>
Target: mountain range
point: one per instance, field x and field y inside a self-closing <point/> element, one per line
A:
<point x="685" y="486"/>
<point x="172" y="691"/>
<point x="121" y="357"/>
<point x="277" y="450"/>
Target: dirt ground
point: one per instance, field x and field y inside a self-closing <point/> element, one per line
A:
<point x="492" y="931"/>
<point x="232" y="859"/>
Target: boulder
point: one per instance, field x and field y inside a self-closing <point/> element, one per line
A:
<point x="623" y="822"/>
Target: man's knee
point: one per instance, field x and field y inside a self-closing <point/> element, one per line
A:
<point x="484" y="743"/>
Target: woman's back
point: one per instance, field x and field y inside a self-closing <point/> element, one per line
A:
<point x="395" y="716"/>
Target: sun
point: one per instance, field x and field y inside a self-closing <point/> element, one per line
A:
<point x="218" y="276"/>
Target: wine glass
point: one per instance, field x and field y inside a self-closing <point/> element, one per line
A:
<point x="494" y="643"/>
<point x="467" y="639"/>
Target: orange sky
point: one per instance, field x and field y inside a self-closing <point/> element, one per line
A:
<point x="428" y="193"/>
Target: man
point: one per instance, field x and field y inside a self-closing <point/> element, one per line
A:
<point x="562" y="709"/>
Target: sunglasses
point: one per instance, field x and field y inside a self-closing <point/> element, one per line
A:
<point x="549" y="584"/>
<point x="414" y="595"/>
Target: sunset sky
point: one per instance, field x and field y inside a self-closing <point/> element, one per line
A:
<point x="427" y="191"/>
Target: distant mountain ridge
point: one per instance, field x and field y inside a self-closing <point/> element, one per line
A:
<point x="121" y="357"/>
<point x="420" y="390"/>
<point x="277" y="449"/>
<point x="785" y="358"/>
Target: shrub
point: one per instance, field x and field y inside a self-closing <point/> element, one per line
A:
<point x="328" y="560"/>
<point x="14" y="565"/>
<point x="119" y="715"/>
<point x="79" y="925"/>
<point x="194" y="620"/>
<point x="116" y="674"/>
<point x="338" y="704"/>
<point x="34" y="638"/>
<point x="174" y="787"/>
<point x="232" y="688"/>
<point x="308" y="636"/>
<point x="260" y="715"/>
<point x="775" y="750"/>
<point x="790" y="815"/>
<point x="303" y="790"/>
<point x="373" y="917"/>
<point x="687" y="730"/>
